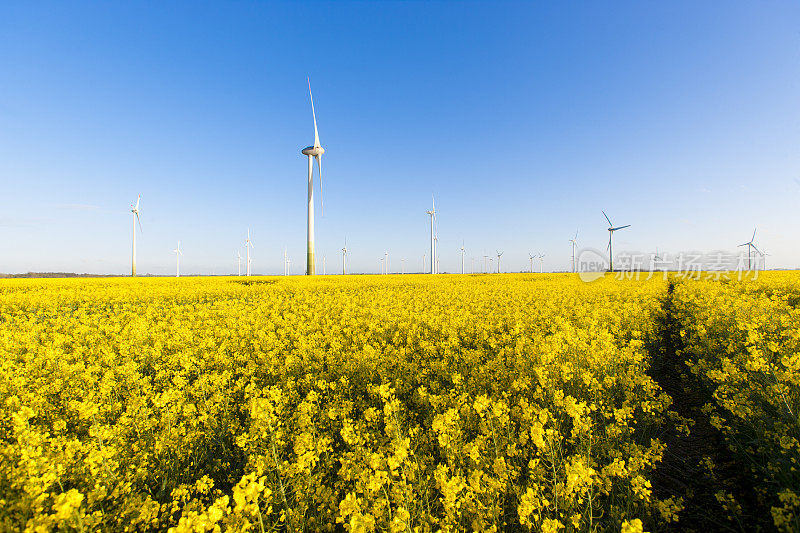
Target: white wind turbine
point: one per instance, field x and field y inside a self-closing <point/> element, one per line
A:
<point x="764" y="255"/>
<point x="750" y="246"/>
<point x="574" y="242"/>
<point x="315" y="152"/>
<point x="239" y="259"/>
<point x="344" y="257"/>
<point x="432" y="214"/>
<point x="611" y="230"/>
<point x="386" y="255"/>
<point x="463" y="251"/>
<point x="285" y="262"/>
<point x="531" y="258"/>
<point x="499" y="254"/>
<point x="541" y="260"/>
<point x="655" y="260"/>
<point x="178" y="255"/>
<point x="135" y="211"/>
<point x="248" y="244"/>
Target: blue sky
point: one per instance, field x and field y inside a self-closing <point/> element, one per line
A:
<point x="524" y="119"/>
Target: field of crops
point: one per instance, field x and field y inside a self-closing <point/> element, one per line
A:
<point x="400" y="403"/>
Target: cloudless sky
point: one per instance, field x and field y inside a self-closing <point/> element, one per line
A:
<point x="525" y="120"/>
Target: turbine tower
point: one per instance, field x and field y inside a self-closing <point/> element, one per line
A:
<point x="462" y="256"/>
<point x="432" y="214"/>
<point x="531" y="258"/>
<point x="178" y="255"/>
<point x="314" y="152"/>
<point x="574" y="242"/>
<point x="248" y="244"/>
<point x="285" y="262"/>
<point x="499" y="254"/>
<point x="611" y="230"/>
<point x="239" y="257"/>
<point x="750" y="246"/>
<point x="135" y="211"/>
<point x="344" y="257"/>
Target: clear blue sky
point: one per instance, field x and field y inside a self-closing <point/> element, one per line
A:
<point x="524" y="119"/>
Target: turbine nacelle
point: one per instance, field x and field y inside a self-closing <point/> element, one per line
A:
<point x="314" y="151"/>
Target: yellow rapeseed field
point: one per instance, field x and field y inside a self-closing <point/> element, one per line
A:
<point x="384" y="403"/>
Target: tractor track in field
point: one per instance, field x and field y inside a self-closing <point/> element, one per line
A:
<point x="683" y="471"/>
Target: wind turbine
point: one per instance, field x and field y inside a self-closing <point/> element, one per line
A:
<point x="471" y="265"/>
<point x="462" y="256"/>
<point x="574" y="242"/>
<point x="402" y="266"/>
<point x="764" y="255"/>
<point x="750" y="246"/>
<point x="432" y="214"/>
<point x="248" y="244"/>
<point x="285" y="262"/>
<point x="484" y="261"/>
<point x="611" y="230"/>
<point x="656" y="259"/>
<point x="178" y="255"/>
<point x="531" y="258"/>
<point x="541" y="260"/>
<point x="135" y="211"/>
<point x="386" y="255"/>
<point x="344" y="257"/>
<point x="315" y="152"/>
<point x="239" y="256"/>
<point x="499" y="254"/>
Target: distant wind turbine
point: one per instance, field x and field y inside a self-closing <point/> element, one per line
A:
<point x="178" y="255"/>
<point x="574" y="242"/>
<point x="239" y="257"/>
<point x="462" y="256"/>
<point x="764" y="255"/>
<point x="541" y="260"/>
<point x="285" y="261"/>
<point x="344" y="257"/>
<point x="750" y="246"/>
<point x="386" y="255"/>
<point x="314" y="152"/>
<point x="248" y="244"/>
<point x="432" y="214"/>
<point x="530" y="256"/>
<point x="499" y="255"/>
<point x="611" y="230"/>
<point x="135" y="211"/>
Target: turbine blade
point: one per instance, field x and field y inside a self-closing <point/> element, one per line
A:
<point x="756" y="249"/>
<point x="140" y="222"/>
<point x="321" y="201"/>
<point x="609" y="220"/>
<point x="621" y="227"/>
<point x="754" y="235"/>
<point x="316" y="133"/>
